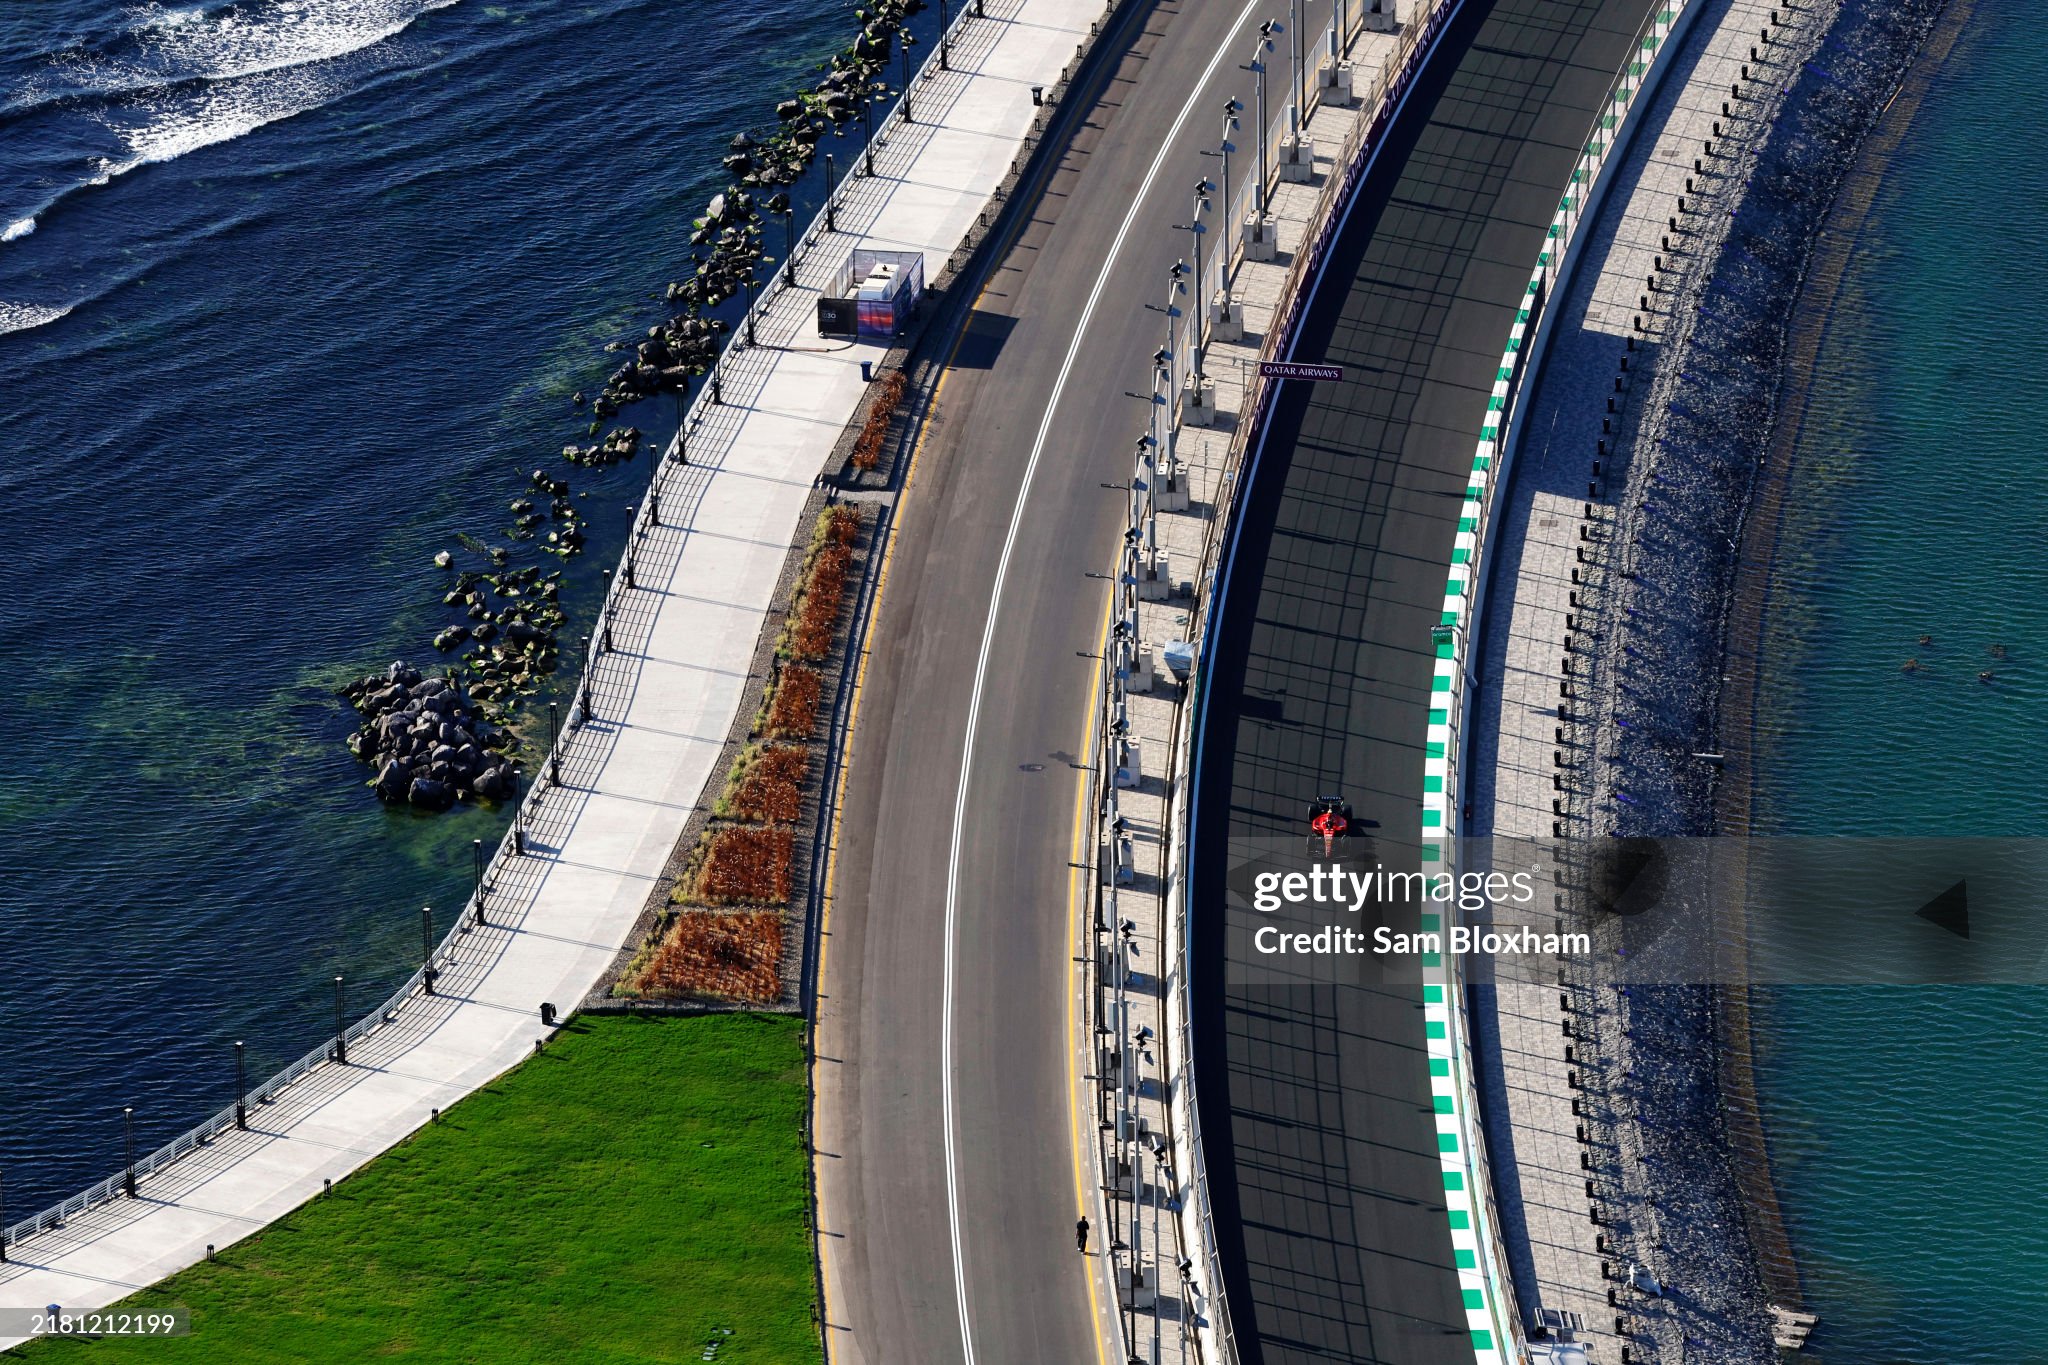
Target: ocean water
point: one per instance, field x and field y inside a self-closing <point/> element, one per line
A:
<point x="1909" y="1126"/>
<point x="291" y="292"/>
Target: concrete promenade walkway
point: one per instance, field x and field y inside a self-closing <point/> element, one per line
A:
<point x="1573" y="1145"/>
<point x="664" y="697"/>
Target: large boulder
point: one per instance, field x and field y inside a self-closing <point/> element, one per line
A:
<point x="429" y="794"/>
<point x="394" y="779"/>
<point x="495" y="783"/>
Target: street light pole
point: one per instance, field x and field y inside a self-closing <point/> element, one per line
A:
<point x="554" y="743"/>
<point x="340" y="1032"/>
<point x="1259" y="68"/>
<point x="1299" y="54"/>
<point x="241" y="1088"/>
<point x="1175" y="287"/>
<point x="1231" y="109"/>
<point x="867" y="118"/>
<point x="128" y="1135"/>
<point x="476" y="848"/>
<point x="589" y="703"/>
<point x="428" y="972"/>
<point x="1196" y="228"/>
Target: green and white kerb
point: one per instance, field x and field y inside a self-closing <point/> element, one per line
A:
<point x="1481" y="1278"/>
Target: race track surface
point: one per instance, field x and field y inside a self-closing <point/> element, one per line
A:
<point x="1328" y="1189"/>
<point x="1037" y="370"/>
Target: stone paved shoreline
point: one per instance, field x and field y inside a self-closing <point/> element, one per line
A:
<point x="1689" y="453"/>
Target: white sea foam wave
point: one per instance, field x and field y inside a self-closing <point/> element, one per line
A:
<point x="19" y="317"/>
<point x="166" y="46"/>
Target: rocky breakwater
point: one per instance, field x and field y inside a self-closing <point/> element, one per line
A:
<point x="431" y="746"/>
<point x="505" y="646"/>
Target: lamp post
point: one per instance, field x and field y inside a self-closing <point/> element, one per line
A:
<point x="788" y="243"/>
<point x="428" y="972"/>
<point x="1231" y="109"/>
<point x="476" y="848"/>
<point x="1162" y="421"/>
<point x="867" y="119"/>
<point x="605" y="614"/>
<point x="340" y="1031"/>
<point x="1175" y="287"/>
<point x="589" y="706"/>
<point x="1258" y="68"/>
<point x="241" y="1088"/>
<point x="128" y="1136"/>
<point x="1145" y="473"/>
<point x="554" y="743"/>
<point x="831" y="204"/>
<point x="632" y="544"/>
<point x="945" y="41"/>
<point x="1196" y="229"/>
<point x="903" y="47"/>
<point x="751" y="340"/>
<point x="1299" y="55"/>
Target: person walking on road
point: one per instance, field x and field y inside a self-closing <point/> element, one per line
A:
<point x="1081" y="1236"/>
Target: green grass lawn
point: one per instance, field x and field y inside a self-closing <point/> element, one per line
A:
<point x="624" y="1197"/>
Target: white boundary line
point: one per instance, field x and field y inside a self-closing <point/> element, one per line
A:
<point x="988" y="635"/>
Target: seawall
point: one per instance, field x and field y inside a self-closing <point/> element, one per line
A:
<point x="1706" y="445"/>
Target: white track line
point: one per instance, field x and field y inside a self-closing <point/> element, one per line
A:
<point x="988" y="636"/>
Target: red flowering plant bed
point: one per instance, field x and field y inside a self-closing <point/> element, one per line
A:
<point x="767" y="784"/>
<point x="874" y="433"/>
<point x="740" y="865"/>
<point x="791" y="708"/>
<point x="732" y="953"/>
<point x="813" y="616"/>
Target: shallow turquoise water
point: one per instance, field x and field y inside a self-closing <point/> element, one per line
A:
<point x="1910" y="1125"/>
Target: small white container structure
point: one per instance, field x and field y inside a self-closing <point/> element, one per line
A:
<point x="872" y="295"/>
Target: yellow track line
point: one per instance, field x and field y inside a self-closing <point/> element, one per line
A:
<point x="1075" y="1116"/>
<point x="1077" y="1027"/>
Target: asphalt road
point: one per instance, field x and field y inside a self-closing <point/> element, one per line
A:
<point x="939" y="1250"/>
<point x="1329" y="1190"/>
